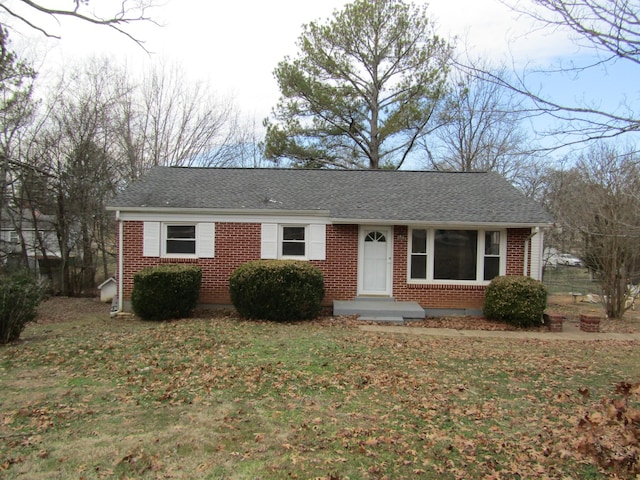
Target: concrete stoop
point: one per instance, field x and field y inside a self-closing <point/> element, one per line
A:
<point x="383" y="310"/>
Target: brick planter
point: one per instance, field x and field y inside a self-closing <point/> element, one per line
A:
<point x="553" y="321"/>
<point x="589" y="323"/>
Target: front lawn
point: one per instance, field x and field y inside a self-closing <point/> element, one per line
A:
<point x="85" y="396"/>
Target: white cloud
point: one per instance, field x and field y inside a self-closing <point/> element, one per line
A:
<point x="236" y="45"/>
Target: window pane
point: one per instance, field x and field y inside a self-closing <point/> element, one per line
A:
<point x="418" y="241"/>
<point x="293" y="249"/>
<point x="492" y="243"/>
<point x="455" y="254"/>
<point x="491" y="267"/>
<point x="419" y="266"/>
<point x="293" y="233"/>
<point x="375" y="237"/>
<point x="181" y="246"/>
<point x="181" y="231"/>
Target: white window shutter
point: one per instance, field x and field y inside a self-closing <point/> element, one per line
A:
<point x="269" y="241"/>
<point x="536" y="256"/>
<point x="205" y="241"/>
<point x="151" y="239"/>
<point x="317" y="242"/>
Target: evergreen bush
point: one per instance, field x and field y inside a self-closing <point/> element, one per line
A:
<point x="517" y="300"/>
<point x="279" y="290"/>
<point x="20" y="295"/>
<point x="166" y="291"/>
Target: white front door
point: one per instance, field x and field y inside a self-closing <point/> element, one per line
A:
<point x="374" y="276"/>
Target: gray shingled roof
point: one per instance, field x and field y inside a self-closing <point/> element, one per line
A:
<point x="406" y="196"/>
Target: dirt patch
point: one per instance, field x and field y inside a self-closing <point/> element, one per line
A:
<point x="64" y="309"/>
<point x="571" y="308"/>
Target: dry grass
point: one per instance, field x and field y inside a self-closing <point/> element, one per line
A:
<point x="85" y="396"/>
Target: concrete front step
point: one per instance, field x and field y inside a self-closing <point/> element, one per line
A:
<point x="387" y="310"/>
<point x="385" y="320"/>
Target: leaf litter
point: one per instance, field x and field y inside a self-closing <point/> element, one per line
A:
<point x="222" y="397"/>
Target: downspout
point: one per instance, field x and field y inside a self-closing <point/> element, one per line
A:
<point x="120" y="260"/>
<point x="525" y="268"/>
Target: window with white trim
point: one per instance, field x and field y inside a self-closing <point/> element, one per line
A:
<point x="455" y="255"/>
<point x="418" y="269"/>
<point x="302" y="241"/>
<point x="491" y="255"/>
<point x="293" y="242"/>
<point x="179" y="239"/>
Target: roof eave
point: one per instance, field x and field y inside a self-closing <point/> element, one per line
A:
<point x="234" y="212"/>
<point x="219" y="211"/>
<point x="436" y="223"/>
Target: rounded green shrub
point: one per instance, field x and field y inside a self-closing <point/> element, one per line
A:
<point x="517" y="300"/>
<point x="166" y="291"/>
<point x="280" y="290"/>
<point x="20" y="295"/>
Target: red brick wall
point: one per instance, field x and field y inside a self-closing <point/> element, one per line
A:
<point x="340" y="269"/>
<point x="428" y="296"/>
<point x="237" y="243"/>
<point x="516" y="239"/>
<point x="449" y="296"/>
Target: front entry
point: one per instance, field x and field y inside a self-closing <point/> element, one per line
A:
<point x="374" y="263"/>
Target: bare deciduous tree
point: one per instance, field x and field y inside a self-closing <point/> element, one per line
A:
<point x="480" y="129"/>
<point x="74" y="153"/>
<point x="16" y="111"/>
<point x="171" y="121"/>
<point x="598" y="201"/>
<point x="610" y="31"/>
<point x="99" y="130"/>
<point x="116" y="15"/>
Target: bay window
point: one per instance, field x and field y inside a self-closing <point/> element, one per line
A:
<point x="451" y="255"/>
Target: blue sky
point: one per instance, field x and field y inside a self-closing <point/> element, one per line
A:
<point x="235" y="46"/>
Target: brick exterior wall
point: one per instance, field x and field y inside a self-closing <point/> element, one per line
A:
<point x="449" y="296"/>
<point x="237" y="243"/>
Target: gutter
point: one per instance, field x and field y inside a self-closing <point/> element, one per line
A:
<point x="435" y="223"/>
<point x="219" y="211"/>
<point x="120" y="261"/>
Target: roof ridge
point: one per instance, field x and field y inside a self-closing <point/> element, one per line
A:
<point x="344" y="170"/>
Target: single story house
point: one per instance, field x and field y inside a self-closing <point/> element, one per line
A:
<point x="435" y="238"/>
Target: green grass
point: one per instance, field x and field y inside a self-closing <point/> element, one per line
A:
<point x="223" y="398"/>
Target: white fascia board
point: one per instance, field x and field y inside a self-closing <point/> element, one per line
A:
<point x="416" y="223"/>
<point x="228" y="216"/>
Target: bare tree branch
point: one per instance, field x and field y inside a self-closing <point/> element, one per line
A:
<point x="610" y="29"/>
<point x="125" y="15"/>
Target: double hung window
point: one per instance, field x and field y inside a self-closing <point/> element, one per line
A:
<point x="181" y="240"/>
<point x="293" y="241"/>
<point x="300" y="241"/>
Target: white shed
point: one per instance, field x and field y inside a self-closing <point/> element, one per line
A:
<point x="108" y="289"/>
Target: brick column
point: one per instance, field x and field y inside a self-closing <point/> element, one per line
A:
<point x="589" y="323"/>
<point x="553" y="321"/>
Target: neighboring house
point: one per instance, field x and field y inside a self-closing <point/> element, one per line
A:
<point x="29" y="235"/>
<point x="435" y="238"/>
